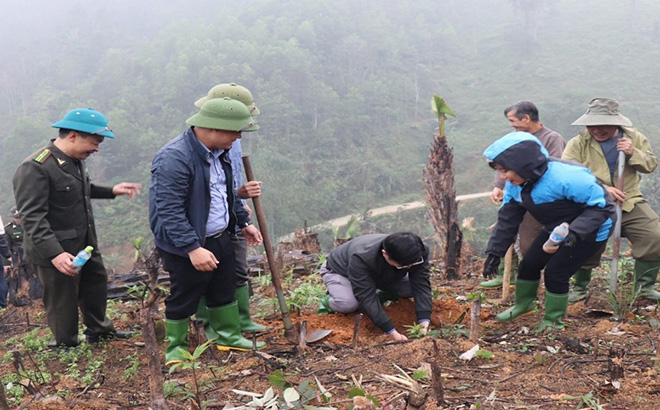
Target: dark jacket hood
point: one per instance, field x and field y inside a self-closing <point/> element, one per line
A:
<point x="520" y="152"/>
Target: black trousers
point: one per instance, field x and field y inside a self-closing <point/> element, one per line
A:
<point x="187" y="284"/>
<point x="559" y="267"/>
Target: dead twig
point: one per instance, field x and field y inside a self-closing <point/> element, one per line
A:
<point x="475" y="313"/>
<point x="155" y="375"/>
<point x="436" y="376"/>
<point x="528" y="368"/>
<point x="356" y="330"/>
<point x="417" y="396"/>
<point x="302" y="335"/>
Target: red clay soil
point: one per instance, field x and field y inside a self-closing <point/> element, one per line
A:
<point x="518" y="368"/>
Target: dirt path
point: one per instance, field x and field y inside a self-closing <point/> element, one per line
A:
<point x="390" y="209"/>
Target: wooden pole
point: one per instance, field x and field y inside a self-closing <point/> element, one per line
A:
<point x="506" y="280"/>
<point x="616" y="237"/>
<point x="154" y="369"/>
<point x="275" y="274"/>
<point x="475" y="313"/>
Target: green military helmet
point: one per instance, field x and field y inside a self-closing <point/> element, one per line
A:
<point x="86" y="120"/>
<point x="224" y="114"/>
<point x="233" y="91"/>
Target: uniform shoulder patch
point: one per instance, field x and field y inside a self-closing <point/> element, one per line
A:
<point x="43" y="156"/>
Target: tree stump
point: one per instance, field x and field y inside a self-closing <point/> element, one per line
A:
<point x="615" y="362"/>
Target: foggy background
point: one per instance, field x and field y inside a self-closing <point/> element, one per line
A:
<point x="344" y="89"/>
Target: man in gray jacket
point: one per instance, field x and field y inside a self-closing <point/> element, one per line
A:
<point x="357" y="270"/>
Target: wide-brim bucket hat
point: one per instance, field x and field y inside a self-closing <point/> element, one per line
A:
<point x="603" y="111"/>
<point x="233" y="91"/>
<point x="224" y="114"/>
<point x="86" y="120"/>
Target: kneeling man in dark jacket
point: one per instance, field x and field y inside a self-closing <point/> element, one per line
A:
<point x="359" y="273"/>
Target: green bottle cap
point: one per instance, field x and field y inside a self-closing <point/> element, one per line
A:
<point x="89" y="249"/>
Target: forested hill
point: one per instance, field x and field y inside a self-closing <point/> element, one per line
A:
<point x="344" y="86"/>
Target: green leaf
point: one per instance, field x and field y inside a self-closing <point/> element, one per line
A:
<point x="439" y="106"/>
<point x="419" y="374"/>
<point x="277" y="379"/>
<point x="201" y="349"/>
<point x="355" y="391"/>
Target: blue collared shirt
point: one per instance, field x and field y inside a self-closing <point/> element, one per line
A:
<point x="219" y="213"/>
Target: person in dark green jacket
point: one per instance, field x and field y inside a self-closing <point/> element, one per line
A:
<point x="53" y="193"/>
<point x="15" y="233"/>
<point x="607" y="133"/>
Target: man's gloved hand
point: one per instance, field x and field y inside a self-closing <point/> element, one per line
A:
<point x="491" y="266"/>
<point x="570" y="240"/>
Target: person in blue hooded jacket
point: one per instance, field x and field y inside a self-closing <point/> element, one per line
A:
<point x="553" y="192"/>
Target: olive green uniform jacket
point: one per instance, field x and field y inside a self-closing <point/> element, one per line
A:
<point x="54" y="200"/>
<point x="639" y="223"/>
<point x="53" y="196"/>
<point x="587" y="151"/>
<point x="14" y="234"/>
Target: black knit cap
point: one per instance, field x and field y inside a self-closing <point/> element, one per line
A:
<point x="405" y="248"/>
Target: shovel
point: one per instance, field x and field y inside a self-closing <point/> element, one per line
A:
<point x="316" y="335"/>
<point x="311" y="337"/>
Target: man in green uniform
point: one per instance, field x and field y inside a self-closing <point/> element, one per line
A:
<point x="53" y="195"/>
<point x="597" y="148"/>
<point x="4" y="251"/>
<point x="15" y="233"/>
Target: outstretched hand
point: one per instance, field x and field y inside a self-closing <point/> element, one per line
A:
<point x="130" y="189"/>
<point x="491" y="266"/>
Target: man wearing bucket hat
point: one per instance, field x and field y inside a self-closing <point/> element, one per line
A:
<point x="53" y="195"/>
<point x="193" y="212"/>
<point x="246" y="190"/>
<point x="597" y="147"/>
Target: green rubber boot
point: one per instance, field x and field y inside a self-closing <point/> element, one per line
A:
<point x="202" y="316"/>
<point x="242" y="295"/>
<point x="580" y="287"/>
<point x="387" y="296"/>
<point x="525" y="297"/>
<point x="555" y="310"/>
<point x="324" y="306"/>
<point x="645" y="275"/>
<point x="176" y="332"/>
<point x="496" y="282"/>
<point x="225" y="322"/>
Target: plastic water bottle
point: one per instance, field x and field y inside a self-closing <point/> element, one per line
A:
<point x="556" y="238"/>
<point x="82" y="257"/>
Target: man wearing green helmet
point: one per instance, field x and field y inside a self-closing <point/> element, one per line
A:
<point x="250" y="189"/>
<point x="53" y="195"/>
<point x="193" y="212"/>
